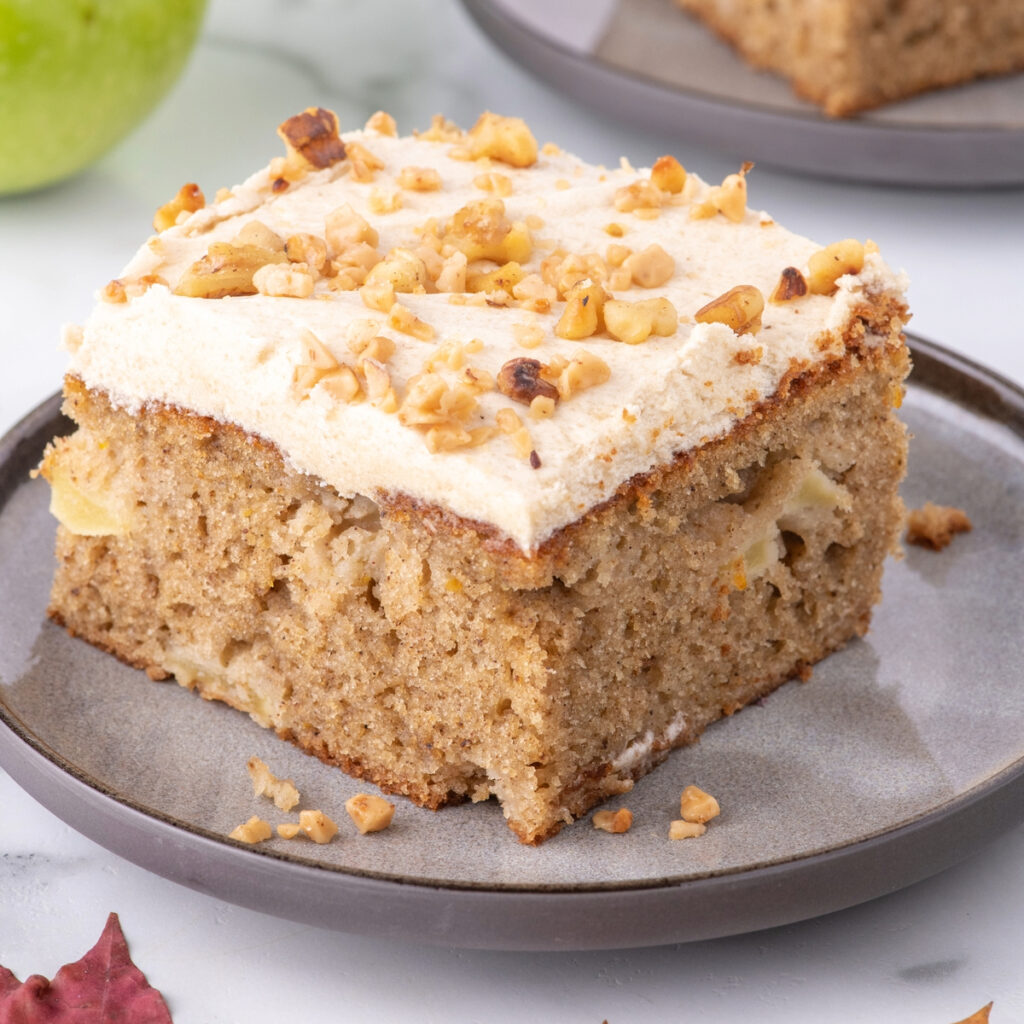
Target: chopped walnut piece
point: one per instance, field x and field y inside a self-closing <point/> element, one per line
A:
<point x="378" y="347"/>
<point x="534" y="294"/>
<point x="583" y="371"/>
<point x="492" y="181"/>
<point x="453" y="274"/>
<point x="506" y="139"/>
<point x="382" y="123"/>
<point x="640" y="195"/>
<point x="686" y="830"/>
<point x="650" y="268"/>
<point x="314" y="824"/>
<point x="419" y="179"/>
<point x="739" y="308"/>
<point x="403" y="269"/>
<point x="583" y="313"/>
<point x="616" y="822"/>
<point x="542" y="407"/>
<point x="528" y="335"/>
<point x="697" y="806"/>
<point x="634" y="322"/>
<point x="482" y="231"/>
<point x="827" y="265"/>
<point x="378" y="385"/>
<point x="379" y="296"/>
<point x="365" y="164"/>
<point x="284" y="280"/>
<point x="344" y="227"/>
<point x="121" y="289"/>
<point x="520" y="380"/>
<point x="404" y="320"/>
<point x="315" y="361"/>
<point x="255" y="830"/>
<point x="728" y="199"/>
<point x="382" y="201"/>
<point x="370" y="813"/>
<point x="615" y="230"/>
<point x="312" y="136"/>
<point x="189" y="199"/>
<point x="791" y="286"/>
<point x="265" y="783"/>
<point x="615" y="255"/>
<point x="934" y="526"/>
<point x="668" y="174"/>
<point x="341" y="385"/>
<point x="441" y="130"/>
<point x="503" y="278"/>
<point x="308" y="249"/>
<point x="226" y="270"/>
<point x="255" y="232"/>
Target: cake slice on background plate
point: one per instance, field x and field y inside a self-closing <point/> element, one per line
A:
<point x="475" y="469"/>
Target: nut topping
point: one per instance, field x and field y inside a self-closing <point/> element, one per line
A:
<point x="312" y="136"/>
<point x="189" y="199"/>
<point x="739" y="308"/>
<point x="521" y="381"/>
<point x="827" y="265"/>
<point x="791" y="286"/>
<point x="506" y="139"/>
<point x="226" y="270"/>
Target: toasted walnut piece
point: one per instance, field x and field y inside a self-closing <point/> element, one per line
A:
<point x="583" y="313"/>
<point x="314" y="824"/>
<point x="728" y="199"/>
<point x="522" y="443"/>
<point x="265" y="783"/>
<point x="382" y="123"/>
<point x="447" y="437"/>
<point x="255" y="830"/>
<point x="640" y="195"/>
<point x="378" y="385"/>
<point x="615" y="230"/>
<point x="364" y="163"/>
<point x="289" y="830"/>
<point x="696" y="805"/>
<point x="307" y="249"/>
<point x="634" y="322"/>
<point x="405" y="271"/>
<point x="508" y="420"/>
<point x="360" y="256"/>
<point x="506" y="139"/>
<point x="189" y="199"/>
<point x="534" y="294"/>
<point x="314" y="361"/>
<point x="255" y="232"/>
<point x="528" y="335"/>
<point x="284" y="280"/>
<point x="341" y="385"/>
<point x="584" y="371"/>
<point x="503" y="278"/>
<point x="650" y="268"/>
<point x="934" y="526"/>
<point x="739" y="308"/>
<point x="344" y="227"/>
<point x="668" y="174"/>
<point x="122" y="289"/>
<point x="616" y="822"/>
<point x="226" y="270"/>
<point x="492" y="181"/>
<point x="379" y="347"/>
<point x="370" y="813"/>
<point x="404" y="320"/>
<point x="542" y="407"/>
<point x="383" y="202"/>
<point x="453" y="274"/>
<point x="441" y="130"/>
<point x="615" y="255"/>
<point x="686" y="830"/>
<point x="379" y="296"/>
<point x="520" y="380"/>
<point x="482" y="231"/>
<point x="313" y="137"/>
<point x="419" y="179"/>
<point x="791" y="286"/>
<point x="827" y="265"/>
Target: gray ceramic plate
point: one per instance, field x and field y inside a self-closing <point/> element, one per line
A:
<point x="903" y="754"/>
<point x="645" y="62"/>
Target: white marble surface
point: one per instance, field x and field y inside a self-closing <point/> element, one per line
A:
<point x="929" y="955"/>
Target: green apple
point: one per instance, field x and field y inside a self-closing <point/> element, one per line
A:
<point x="77" y="75"/>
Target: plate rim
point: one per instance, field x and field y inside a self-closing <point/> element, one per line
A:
<point x="580" y="73"/>
<point x="506" y="916"/>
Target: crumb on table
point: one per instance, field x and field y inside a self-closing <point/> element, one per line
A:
<point x="933" y="526"/>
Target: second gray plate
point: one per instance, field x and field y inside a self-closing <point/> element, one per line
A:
<point x="904" y="754"/>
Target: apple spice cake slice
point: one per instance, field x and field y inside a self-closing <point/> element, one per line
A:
<point x="477" y="470"/>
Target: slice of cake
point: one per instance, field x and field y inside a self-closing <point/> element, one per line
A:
<point x="851" y="55"/>
<point x="477" y="470"/>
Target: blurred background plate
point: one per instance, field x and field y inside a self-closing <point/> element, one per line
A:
<point x="647" y="63"/>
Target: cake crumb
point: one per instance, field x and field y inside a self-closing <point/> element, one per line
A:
<point x="615" y="822"/>
<point x="265" y="783"/>
<point x="686" y="830"/>
<point x="979" y="1016"/>
<point x="934" y="526"/>
<point x="255" y="830"/>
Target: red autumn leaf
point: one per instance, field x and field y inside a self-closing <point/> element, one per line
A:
<point x="104" y="987"/>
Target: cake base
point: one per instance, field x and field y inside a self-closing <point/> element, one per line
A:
<point x="426" y="654"/>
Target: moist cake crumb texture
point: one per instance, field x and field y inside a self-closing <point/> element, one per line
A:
<point x="477" y="470"/>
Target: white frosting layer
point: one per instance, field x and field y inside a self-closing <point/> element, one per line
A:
<point x="235" y="358"/>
